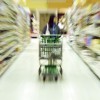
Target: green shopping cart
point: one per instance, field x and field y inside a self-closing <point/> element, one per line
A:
<point x="50" y="57"/>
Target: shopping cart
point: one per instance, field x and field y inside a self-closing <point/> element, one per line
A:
<point x="50" y="57"/>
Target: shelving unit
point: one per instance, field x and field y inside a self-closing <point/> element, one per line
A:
<point x="14" y="32"/>
<point x="89" y="60"/>
<point x="84" y="35"/>
<point x="96" y="51"/>
<point x="35" y="24"/>
<point x="6" y="65"/>
<point x="6" y="47"/>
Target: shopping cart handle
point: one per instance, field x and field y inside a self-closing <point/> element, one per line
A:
<point x="51" y="35"/>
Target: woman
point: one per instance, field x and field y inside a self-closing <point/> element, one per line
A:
<point x="51" y="26"/>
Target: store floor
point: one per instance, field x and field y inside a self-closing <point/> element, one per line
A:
<point x="21" y="82"/>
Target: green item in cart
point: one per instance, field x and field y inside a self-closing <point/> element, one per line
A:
<point x="50" y="39"/>
<point x="52" y="69"/>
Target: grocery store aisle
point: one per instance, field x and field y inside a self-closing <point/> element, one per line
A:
<point x="21" y="81"/>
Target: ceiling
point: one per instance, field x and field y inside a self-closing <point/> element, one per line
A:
<point x="54" y="4"/>
<point x="38" y="4"/>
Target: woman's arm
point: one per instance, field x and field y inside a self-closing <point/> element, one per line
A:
<point x="44" y="30"/>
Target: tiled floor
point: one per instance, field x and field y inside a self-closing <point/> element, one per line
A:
<point x="21" y="82"/>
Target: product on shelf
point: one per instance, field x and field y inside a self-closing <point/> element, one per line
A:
<point x="84" y="26"/>
<point x="14" y="32"/>
<point x="35" y="25"/>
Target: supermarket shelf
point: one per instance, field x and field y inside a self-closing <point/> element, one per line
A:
<point x="3" y="64"/>
<point x="9" y="45"/>
<point x="34" y="35"/>
<point x="6" y="19"/>
<point x="8" y="12"/>
<point x="7" y="65"/>
<point x="91" y="31"/>
<point x="13" y="31"/>
<point x="8" y="37"/>
<point x="7" y="53"/>
<point x="96" y="21"/>
<point x="7" y="34"/>
<point x="97" y="35"/>
<point x="91" y="64"/>
<point x="87" y="14"/>
<point x="94" y="50"/>
<point x="91" y="13"/>
<point x="78" y="19"/>
<point x="7" y="27"/>
<point x="94" y="11"/>
<point x="6" y="41"/>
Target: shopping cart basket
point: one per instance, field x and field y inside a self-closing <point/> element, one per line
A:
<point x="50" y="56"/>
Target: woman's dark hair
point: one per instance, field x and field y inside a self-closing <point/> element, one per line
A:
<point x="51" y="20"/>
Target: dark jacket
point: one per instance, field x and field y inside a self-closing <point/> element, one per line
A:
<point x="54" y="30"/>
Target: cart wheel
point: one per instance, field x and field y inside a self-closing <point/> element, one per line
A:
<point x="61" y="71"/>
<point x="56" y="78"/>
<point x="39" y="71"/>
<point x="44" y="78"/>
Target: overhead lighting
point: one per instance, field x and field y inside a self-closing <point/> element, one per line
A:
<point x="48" y="0"/>
<point x="24" y="1"/>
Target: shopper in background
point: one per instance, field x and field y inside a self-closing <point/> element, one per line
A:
<point x="51" y="27"/>
<point x="31" y="21"/>
<point x="62" y="24"/>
